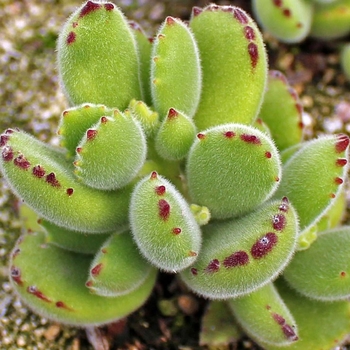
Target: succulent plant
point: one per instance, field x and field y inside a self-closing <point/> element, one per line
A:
<point x="181" y="154"/>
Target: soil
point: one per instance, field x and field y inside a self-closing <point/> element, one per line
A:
<point x="171" y="317"/>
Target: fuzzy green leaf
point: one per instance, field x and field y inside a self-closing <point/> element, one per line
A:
<point x="175" y="69"/>
<point x="234" y="65"/>
<point x="111" y="153"/>
<point x="51" y="281"/>
<point x="314" y="176"/>
<point x="162" y="224"/>
<point x="97" y="57"/>
<point x="118" y="268"/>
<point x="289" y="21"/>
<point x="240" y="162"/>
<point x="328" y="267"/>
<point x="239" y="256"/>
<point x="265" y="317"/>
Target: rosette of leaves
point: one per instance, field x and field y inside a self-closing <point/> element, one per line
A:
<point x="167" y="162"/>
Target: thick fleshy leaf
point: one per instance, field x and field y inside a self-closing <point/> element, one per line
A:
<point x="97" y="57"/>
<point x="175" y="69"/>
<point x="52" y="282"/>
<point x="331" y="20"/>
<point x="118" y="268"/>
<point x="322" y="271"/>
<point x="265" y="317"/>
<point x="111" y="153"/>
<point x="239" y="256"/>
<point x="314" y="176"/>
<point x="162" y="224"/>
<point x="218" y="327"/>
<point x="281" y="111"/>
<point x="234" y="65"/>
<point x="287" y="20"/>
<point x="44" y="179"/>
<point x="231" y="169"/>
<point x="175" y="135"/>
<point x="320" y="325"/>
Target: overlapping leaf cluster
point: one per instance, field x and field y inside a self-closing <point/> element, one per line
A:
<point x="181" y="154"/>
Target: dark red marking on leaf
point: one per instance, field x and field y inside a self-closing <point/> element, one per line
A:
<point x="163" y="209"/>
<point x="88" y="8"/>
<point x="213" y="266"/>
<point x="154" y="175"/>
<point x="176" y="230"/>
<point x="332" y="195"/>
<point x="341" y="162"/>
<point x="65" y="113"/>
<point x="38" y="171"/>
<point x="191" y="253"/>
<point x="95" y="271"/>
<point x="287" y="13"/>
<point x="194" y="271"/>
<point x="16" y="275"/>
<point x="160" y="190"/>
<point x="299" y="108"/>
<point x="89" y="284"/>
<point x="7" y="154"/>
<point x="341" y="143"/>
<point x="277" y="3"/>
<point x="338" y="180"/>
<point x="71" y="37"/>
<point x="279" y="222"/>
<point x="277" y="178"/>
<point x="249" y="33"/>
<point x="253" y="53"/>
<point x="264" y="245"/>
<point x="104" y="250"/>
<point x="104" y="120"/>
<point x="284" y="206"/>
<point x="62" y="305"/>
<point x="240" y="16"/>
<point x="91" y="134"/>
<point x="33" y="290"/>
<point x="9" y="131"/>
<point x="79" y="149"/>
<point x="239" y="258"/>
<point x="70" y="191"/>
<point x="15" y="253"/>
<point x="21" y="162"/>
<point x="51" y="179"/>
<point x="196" y="11"/>
<point x="289" y="332"/>
<point x="250" y="139"/>
<point x="213" y="7"/>
<point x="229" y="9"/>
<point x="170" y="20"/>
<point x="279" y="319"/>
<point x="75" y="24"/>
<point x="268" y="154"/>
<point x="229" y="134"/>
<point x="3" y="140"/>
<point x="109" y="6"/>
<point x="201" y="136"/>
<point x="343" y="274"/>
<point x="172" y="113"/>
<point x="301" y="125"/>
<point x="259" y="121"/>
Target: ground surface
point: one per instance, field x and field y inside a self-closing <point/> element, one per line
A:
<point x="31" y="99"/>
